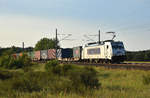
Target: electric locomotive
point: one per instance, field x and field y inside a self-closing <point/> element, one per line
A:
<point x="109" y="51"/>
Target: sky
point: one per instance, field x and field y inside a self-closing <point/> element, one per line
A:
<point x="30" y="20"/>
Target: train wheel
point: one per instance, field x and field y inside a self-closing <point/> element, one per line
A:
<point x="103" y="62"/>
<point x="109" y="62"/>
<point x="96" y="61"/>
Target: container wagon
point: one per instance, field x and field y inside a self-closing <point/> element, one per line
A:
<point x="37" y="56"/>
<point x="51" y="54"/>
<point x="65" y="54"/>
<point x="44" y="55"/>
<point x="77" y="53"/>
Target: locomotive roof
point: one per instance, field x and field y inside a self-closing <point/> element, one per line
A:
<point x="101" y="43"/>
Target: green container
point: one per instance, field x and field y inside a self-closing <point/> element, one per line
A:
<point x="77" y="52"/>
<point x="31" y="55"/>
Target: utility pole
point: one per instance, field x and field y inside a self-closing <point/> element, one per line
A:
<point x="99" y="37"/>
<point x="56" y="43"/>
<point x="23" y="46"/>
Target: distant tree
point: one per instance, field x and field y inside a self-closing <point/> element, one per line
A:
<point x="138" y="55"/>
<point x="13" y="49"/>
<point x="28" y="49"/>
<point x="45" y="43"/>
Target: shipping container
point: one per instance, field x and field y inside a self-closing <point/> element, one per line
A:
<point x="64" y="53"/>
<point x="17" y="55"/>
<point x="31" y="55"/>
<point x="37" y="55"/>
<point x="52" y="54"/>
<point x="44" y="54"/>
<point x="20" y="54"/>
<point x="77" y="52"/>
<point x="14" y="56"/>
<point x="59" y="54"/>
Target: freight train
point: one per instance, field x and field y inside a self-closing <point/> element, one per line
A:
<point x="108" y="51"/>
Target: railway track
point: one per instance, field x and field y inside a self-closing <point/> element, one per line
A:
<point x="128" y="66"/>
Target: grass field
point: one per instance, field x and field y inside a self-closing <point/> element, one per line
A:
<point x="115" y="83"/>
<point x="123" y="84"/>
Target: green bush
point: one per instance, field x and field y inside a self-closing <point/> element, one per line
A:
<point x="5" y="75"/>
<point x="4" y="61"/>
<point x="89" y="78"/>
<point x="39" y="81"/>
<point x="60" y="85"/>
<point x="81" y="79"/>
<point x="10" y="62"/>
<point x="51" y="64"/>
<point x="66" y="68"/>
<point x="26" y="60"/>
<point x="15" y="63"/>
<point x="146" y="79"/>
<point x="84" y="79"/>
<point x="57" y="70"/>
<point x="62" y="79"/>
<point x="28" y="83"/>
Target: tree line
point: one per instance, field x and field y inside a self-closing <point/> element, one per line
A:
<point x="138" y="55"/>
<point x="42" y="44"/>
<point x="13" y="49"/>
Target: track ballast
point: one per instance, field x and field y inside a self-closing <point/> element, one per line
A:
<point x="128" y="66"/>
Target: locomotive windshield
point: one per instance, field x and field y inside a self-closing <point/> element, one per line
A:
<point x="117" y="45"/>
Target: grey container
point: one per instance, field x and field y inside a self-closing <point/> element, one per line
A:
<point x="77" y="52"/>
<point x="44" y="54"/>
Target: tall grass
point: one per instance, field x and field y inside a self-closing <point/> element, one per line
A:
<point x="56" y="80"/>
<point x="74" y="82"/>
<point x="78" y="80"/>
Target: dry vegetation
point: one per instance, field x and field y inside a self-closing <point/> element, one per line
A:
<point x="39" y="81"/>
